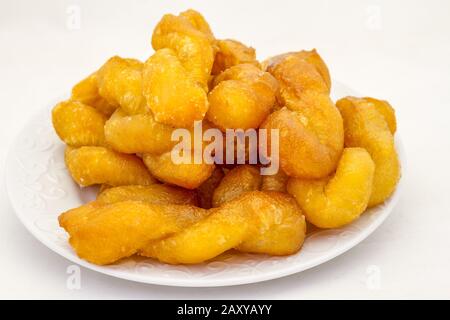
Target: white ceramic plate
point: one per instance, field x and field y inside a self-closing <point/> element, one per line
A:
<point x="40" y="189"/>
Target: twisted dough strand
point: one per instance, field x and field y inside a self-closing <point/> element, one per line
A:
<point x="98" y="165"/>
<point x="246" y="178"/>
<point x="271" y="223"/>
<point x="86" y="91"/>
<point x="241" y="179"/>
<point x="192" y="40"/>
<point x="120" y="84"/>
<point x="155" y="194"/>
<point x="241" y="98"/>
<point x="231" y="53"/>
<point x="103" y="233"/>
<point x="176" y="76"/>
<point x="311" y="128"/>
<point x="335" y="201"/>
<point x="78" y="124"/>
<point x="370" y="124"/>
<point x="139" y="133"/>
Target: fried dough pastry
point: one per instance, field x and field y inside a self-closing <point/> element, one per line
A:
<point x="155" y="194"/>
<point x="386" y="110"/>
<point x="189" y="175"/>
<point x="86" y="91"/>
<point x="231" y="53"/>
<point x="370" y="123"/>
<point x="241" y="98"/>
<point x="103" y="234"/>
<point x="241" y="179"/>
<point x="311" y="57"/>
<point x="174" y="98"/>
<point x="176" y="77"/>
<point x="310" y="126"/>
<point x="138" y="133"/>
<point x="270" y="223"/>
<point x="276" y="182"/>
<point x="99" y="165"/>
<point x="78" y="124"/>
<point x="335" y="201"/>
<point x="120" y="84"/>
<point x="246" y="178"/>
<point x="206" y="190"/>
<point x="198" y="22"/>
<point x="192" y="40"/>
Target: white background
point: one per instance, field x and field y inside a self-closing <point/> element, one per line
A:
<point x="396" y="50"/>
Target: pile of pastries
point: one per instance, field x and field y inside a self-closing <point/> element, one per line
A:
<point x="336" y="159"/>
